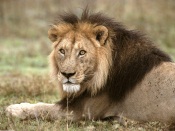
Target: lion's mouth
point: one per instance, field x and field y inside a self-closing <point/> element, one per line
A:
<point x="71" y="87"/>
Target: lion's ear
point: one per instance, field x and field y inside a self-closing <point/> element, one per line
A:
<point x="101" y="34"/>
<point x="53" y="33"/>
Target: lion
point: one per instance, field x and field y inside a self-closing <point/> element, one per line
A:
<point x="104" y="70"/>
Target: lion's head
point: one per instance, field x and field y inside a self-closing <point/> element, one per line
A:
<point x="94" y="53"/>
<point x="81" y="56"/>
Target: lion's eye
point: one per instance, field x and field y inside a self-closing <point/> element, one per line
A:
<point x="62" y="51"/>
<point x="82" y="52"/>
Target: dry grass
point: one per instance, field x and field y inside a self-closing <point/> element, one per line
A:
<point x="32" y="85"/>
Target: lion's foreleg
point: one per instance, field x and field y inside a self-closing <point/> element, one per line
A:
<point x="38" y="110"/>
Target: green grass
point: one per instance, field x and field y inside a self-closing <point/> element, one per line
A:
<point x="23" y="55"/>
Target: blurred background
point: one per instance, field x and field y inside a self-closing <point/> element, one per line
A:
<point x="24" y="44"/>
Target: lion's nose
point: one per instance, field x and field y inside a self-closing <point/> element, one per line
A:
<point x="67" y="75"/>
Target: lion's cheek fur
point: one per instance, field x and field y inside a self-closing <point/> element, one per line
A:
<point x="101" y="72"/>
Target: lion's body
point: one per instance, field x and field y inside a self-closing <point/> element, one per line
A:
<point x="104" y="70"/>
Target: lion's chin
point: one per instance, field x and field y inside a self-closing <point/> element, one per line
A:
<point x="71" y="88"/>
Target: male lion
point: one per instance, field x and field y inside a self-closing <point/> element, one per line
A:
<point x="104" y="70"/>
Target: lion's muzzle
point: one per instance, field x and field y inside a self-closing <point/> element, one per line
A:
<point x="69" y="84"/>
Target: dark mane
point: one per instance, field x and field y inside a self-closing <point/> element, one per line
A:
<point x="133" y="54"/>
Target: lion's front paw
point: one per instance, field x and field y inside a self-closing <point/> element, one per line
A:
<point x="21" y="111"/>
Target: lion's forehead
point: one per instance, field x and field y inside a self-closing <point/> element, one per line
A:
<point x="75" y="40"/>
<point x="79" y="36"/>
<point x="65" y="43"/>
